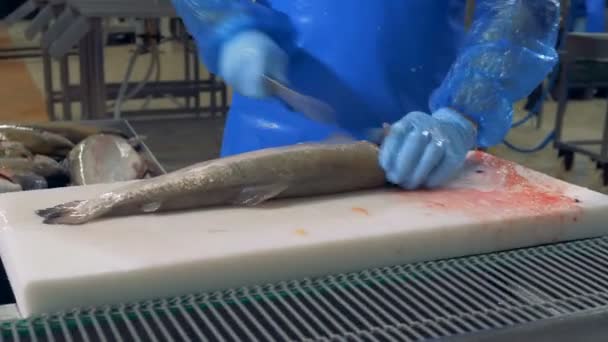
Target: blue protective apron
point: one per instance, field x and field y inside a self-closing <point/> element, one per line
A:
<point x="372" y="61"/>
<point x="587" y="16"/>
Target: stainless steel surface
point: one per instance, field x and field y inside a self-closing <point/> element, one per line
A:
<point x="309" y="106"/>
<point x="525" y="293"/>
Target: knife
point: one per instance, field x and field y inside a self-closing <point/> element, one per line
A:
<point x="312" y="108"/>
<point x="317" y="110"/>
<point x="377" y="135"/>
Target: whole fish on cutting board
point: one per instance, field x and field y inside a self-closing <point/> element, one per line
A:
<point x="37" y="141"/>
<point x="13" y="149"/>
<point x="73" y="131"/>
<point x="245" y="179"/>
<point x="104" y="158"/>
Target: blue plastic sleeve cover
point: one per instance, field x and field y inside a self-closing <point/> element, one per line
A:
<point x="508" y="52"/>
<point x="212" y="22"/>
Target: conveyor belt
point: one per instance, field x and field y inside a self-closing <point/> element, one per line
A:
<point x="402" y="303"/>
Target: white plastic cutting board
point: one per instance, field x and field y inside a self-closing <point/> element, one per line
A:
<point x="495" y="205"/>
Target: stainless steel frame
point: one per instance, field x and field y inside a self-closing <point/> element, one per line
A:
<point x="581" y="46"/>
<point x="68" y="23"/>
<point x="93" y="91"/>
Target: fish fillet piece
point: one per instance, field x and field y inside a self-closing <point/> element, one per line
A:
<point x="245" y="179"/>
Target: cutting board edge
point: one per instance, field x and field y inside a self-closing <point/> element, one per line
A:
<point x="244" y="274"/>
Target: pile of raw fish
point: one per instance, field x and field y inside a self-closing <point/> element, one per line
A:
<point x="58" y="154"/>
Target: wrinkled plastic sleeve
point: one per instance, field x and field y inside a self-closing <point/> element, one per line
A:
<point x="508" y="52"/>
<point x="212" y="22"/>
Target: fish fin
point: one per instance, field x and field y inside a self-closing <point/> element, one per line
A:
<point x="151" y="207"/>
<point x="254" y="195"/>
<point x="72" y="213"/>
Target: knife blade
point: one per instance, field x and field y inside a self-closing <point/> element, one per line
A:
<point x="317" y="110"/>
<point x="377" y="135"/>
<point x="312" y="108"/>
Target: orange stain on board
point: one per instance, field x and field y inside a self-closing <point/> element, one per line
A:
<point x="507" y="193"/>
<point x="361" y="211"/>
<point x="301" y="232"/>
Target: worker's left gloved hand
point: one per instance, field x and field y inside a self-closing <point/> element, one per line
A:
<point x="427" y="150"/>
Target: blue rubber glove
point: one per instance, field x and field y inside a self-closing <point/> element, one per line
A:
<point x="426" y="150"/>
<point x="244" y="59"/>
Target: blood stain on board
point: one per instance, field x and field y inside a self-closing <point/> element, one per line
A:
<point x="361" y="211"/>
<point x="500" y="190"/>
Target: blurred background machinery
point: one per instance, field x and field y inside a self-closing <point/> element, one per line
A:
<point x="88" y="28"/>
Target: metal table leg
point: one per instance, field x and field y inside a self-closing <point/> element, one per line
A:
<point x="187" y="67"/>
<point x="92" y="77"/>
<point x="98" y="81"/>
<point x="197" y="77"/>
<point x="224" y="97"/>
<point x="84" y="77"/>
<point x="47" y="74"/>
<point x="64" y="74"/>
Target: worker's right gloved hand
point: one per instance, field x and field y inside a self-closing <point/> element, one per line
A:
<point x="245" y="58"/>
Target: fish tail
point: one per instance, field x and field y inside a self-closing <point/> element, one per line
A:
<point x="74" y="213"/>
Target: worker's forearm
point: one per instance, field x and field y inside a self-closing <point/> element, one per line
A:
<point x="508" y="51"/>
<point x="212" y="22"/>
